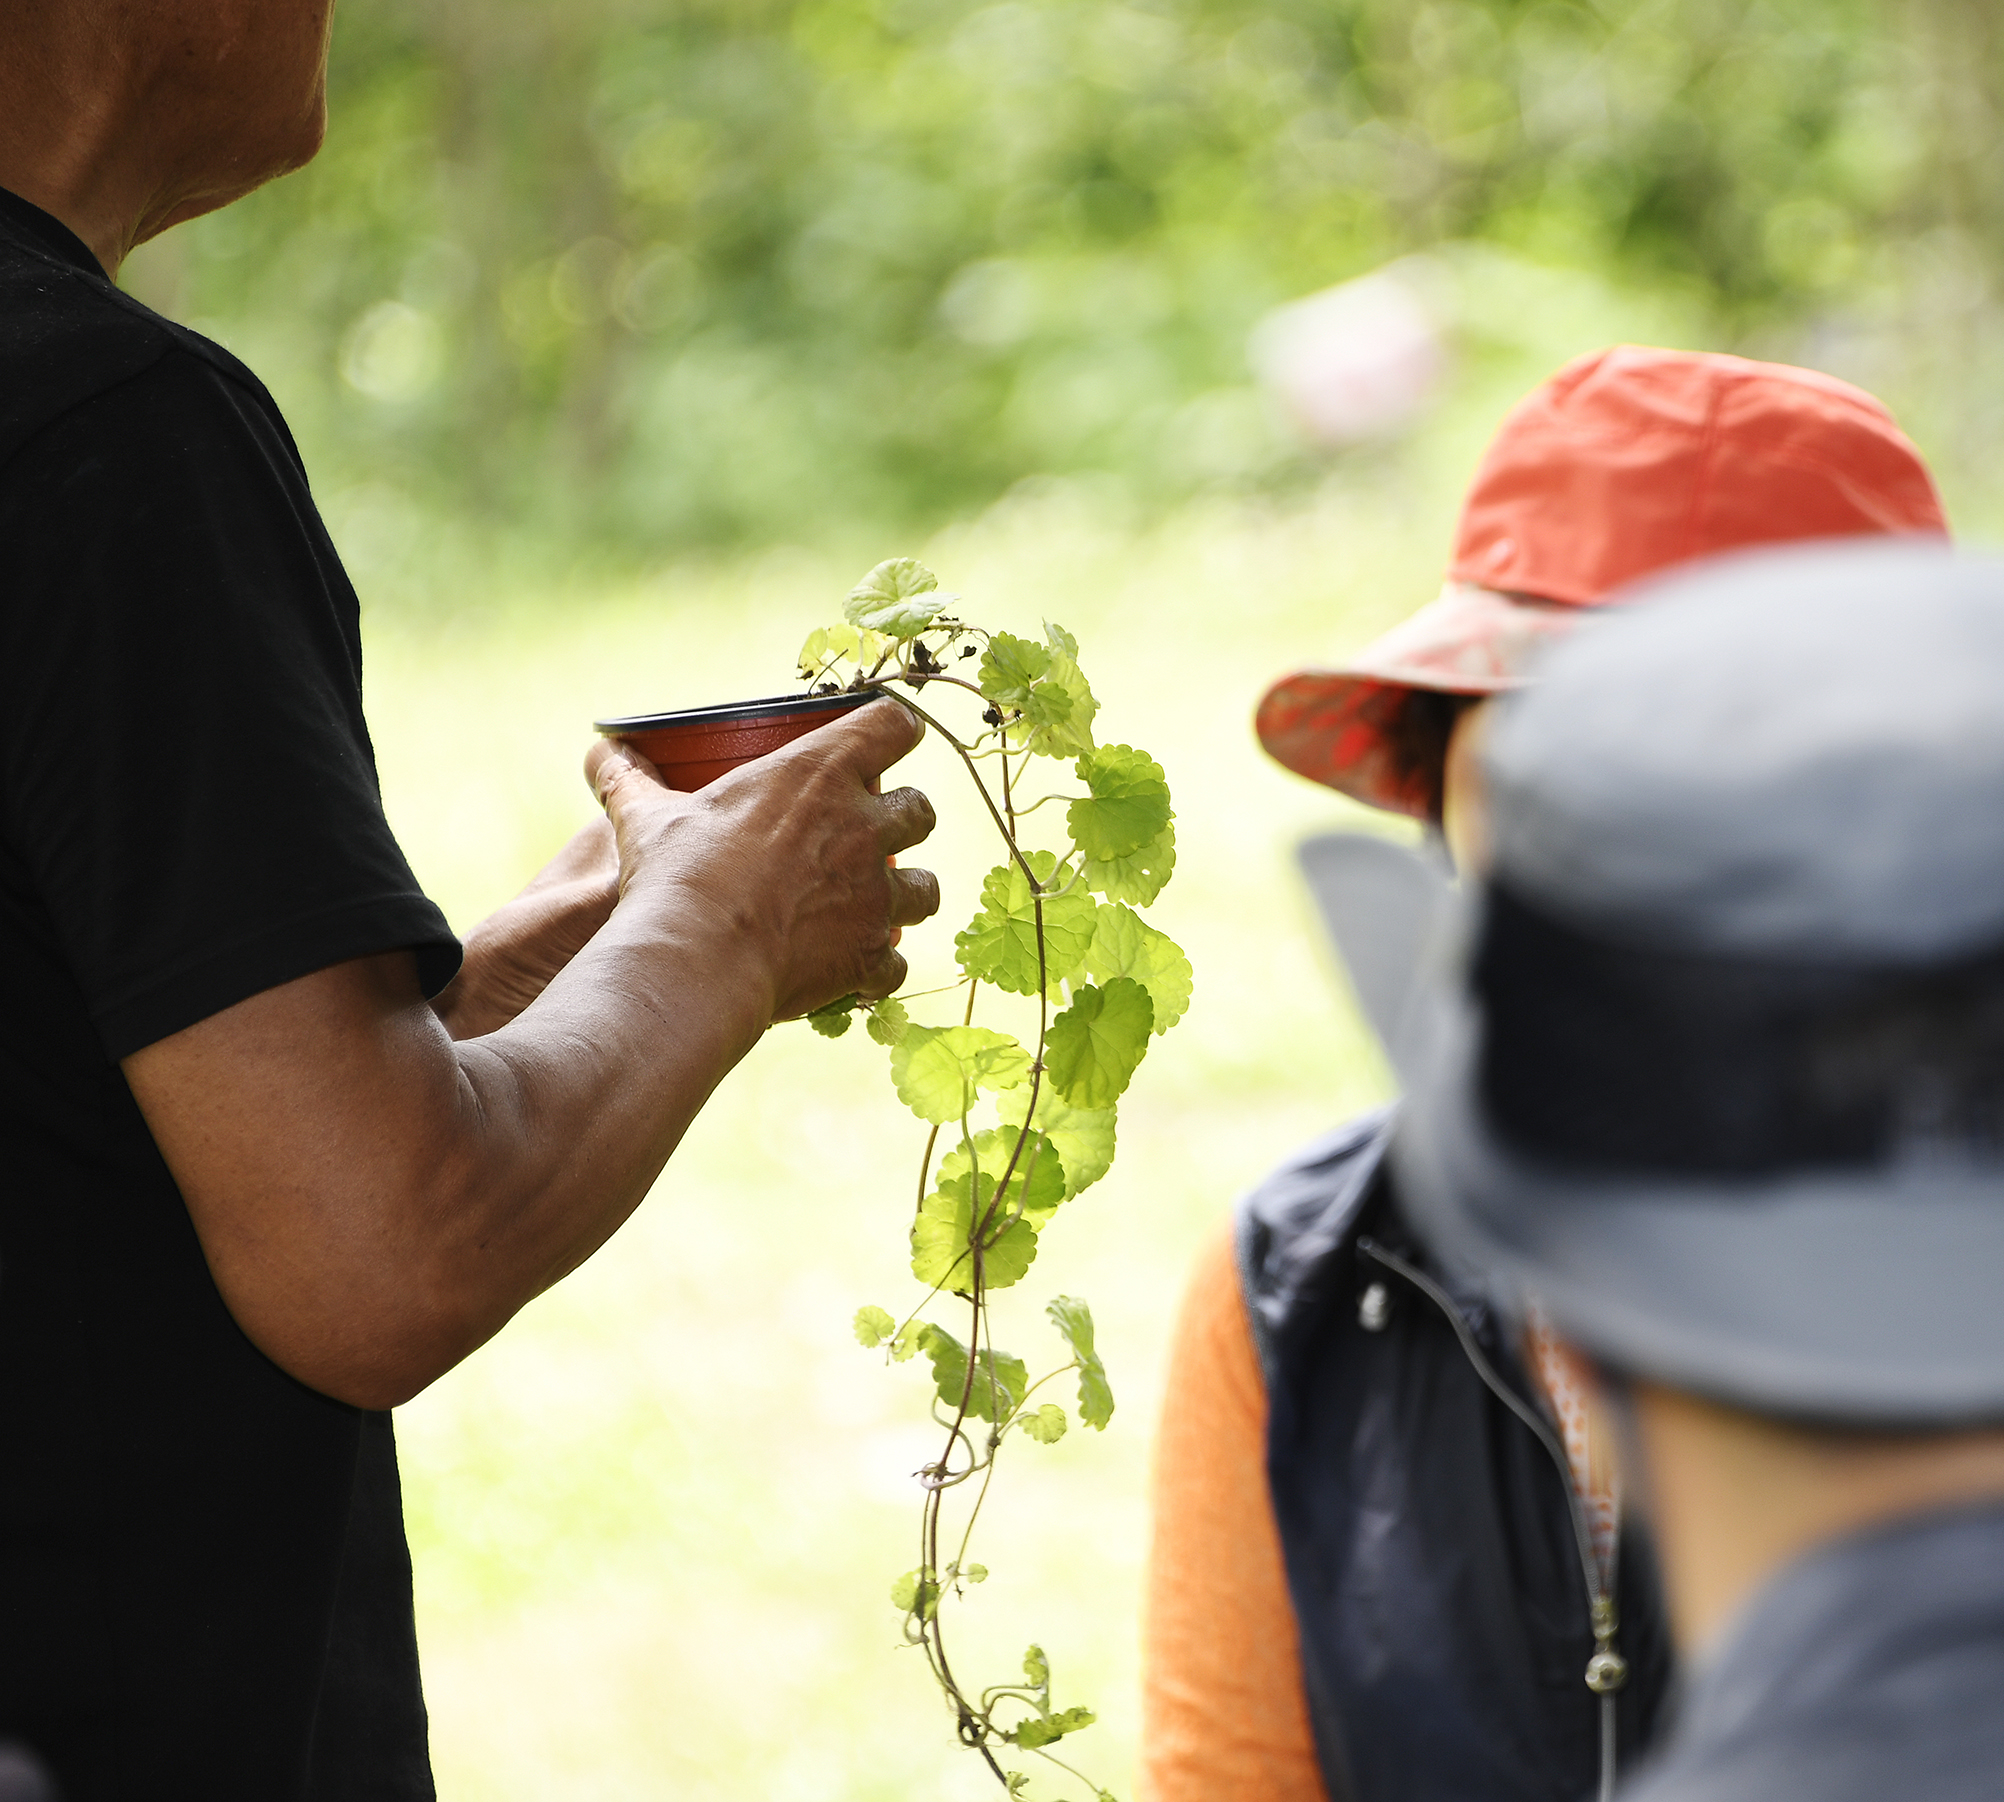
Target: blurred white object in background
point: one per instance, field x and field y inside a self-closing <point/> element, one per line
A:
<point x="1357" y="361"/>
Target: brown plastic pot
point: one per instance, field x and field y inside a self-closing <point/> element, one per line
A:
<point x="693" y="747"/>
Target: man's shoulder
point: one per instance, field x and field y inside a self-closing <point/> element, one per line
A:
<point x="68" y="337"/>
<point x="1869" y="1667"/>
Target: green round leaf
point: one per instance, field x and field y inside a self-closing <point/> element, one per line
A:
<point x="1124" y="944"/>
<point x="1137" y="878"/>
<point x="1073" y="1319"/>
<point x="1047" y="1426"/>
<point x="1128" y="806"/>
<point x="1000" y="942"/>
<point x="1098" y="1042"/>
<point x="1061" y="731"/>
<point x="873" y="1326"/>
<point x="937" y="1069"/>
<point x="916" y="1593"/>
<point x="1037" y="1184"/>
<point x="941" y="1255"/>
<point x="1044" y="685"/>
<point x="999" y="1384"/>
<point x="826" y="646"/>
<point x="1084" y="1137"/>
<point x="898" y="598"/>
<point x="888" y="1020"/>
<point x="1043" y="1730"/>
<point x="1010" y="669"/>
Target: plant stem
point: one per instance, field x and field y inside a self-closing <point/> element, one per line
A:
<point x="916" y="677"/>
<point x="1060" y="1763"/>
<point x="960" y="750"/>
<point x="1043" y="800"/>
<point x="974" y="1725"/>
<point x="981" y="1495"/>
<point x="925" y="1170"/>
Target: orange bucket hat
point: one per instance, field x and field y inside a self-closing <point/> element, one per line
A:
<point x="1624" y="463"/>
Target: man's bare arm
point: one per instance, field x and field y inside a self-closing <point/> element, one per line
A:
<point x="376" y="1199"/>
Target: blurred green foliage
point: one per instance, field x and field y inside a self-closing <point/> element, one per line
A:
<point x="657" y="274"/>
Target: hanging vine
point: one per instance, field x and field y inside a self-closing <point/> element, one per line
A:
<point x="1019" y="1123"/>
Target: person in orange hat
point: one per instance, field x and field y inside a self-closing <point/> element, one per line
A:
<point x="1388" y="1561"/>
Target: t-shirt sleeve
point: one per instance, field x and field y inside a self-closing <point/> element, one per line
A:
<point x="1224" y="1714"/>
<point x="187" y="785"/>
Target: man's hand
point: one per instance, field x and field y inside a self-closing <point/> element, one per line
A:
<point x="793" y="849"/>
<point x="513" y="953"/>
<point x="375" y="1200"/>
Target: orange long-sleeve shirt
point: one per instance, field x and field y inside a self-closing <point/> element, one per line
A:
<point x="1224" y="1718"/>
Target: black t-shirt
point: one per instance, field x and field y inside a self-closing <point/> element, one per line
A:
<point x="204" y="1586"/>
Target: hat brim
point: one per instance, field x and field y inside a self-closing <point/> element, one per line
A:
<point x="1339" y="727"/>
<point x="1868" y="1298"/>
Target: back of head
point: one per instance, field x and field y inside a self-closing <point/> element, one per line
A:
<point x="1724" y="1081"/>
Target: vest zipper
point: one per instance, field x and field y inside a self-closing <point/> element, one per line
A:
<point x="1607" y="1669"/>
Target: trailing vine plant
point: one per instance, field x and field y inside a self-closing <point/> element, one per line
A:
<point x="1017" y="1123"/>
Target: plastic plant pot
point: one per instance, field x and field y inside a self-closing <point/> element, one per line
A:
<point x="693" y="747"/>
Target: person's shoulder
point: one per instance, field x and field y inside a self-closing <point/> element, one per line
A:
<point x="1301" y="1217"/>
<point x="69" y="338"/>
<point x="1327" y="1174"/>
<point x="1864" y="1757"/>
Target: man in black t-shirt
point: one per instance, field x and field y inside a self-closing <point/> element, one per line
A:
<point x="275" y="1152"/>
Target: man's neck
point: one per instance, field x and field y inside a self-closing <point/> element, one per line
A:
<point x="1733" y="1497"/>
<point x="121" y="120"/>
<point x="61" y="156"/>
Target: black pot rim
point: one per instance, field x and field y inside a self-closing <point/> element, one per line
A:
<point x="735" y="713"/>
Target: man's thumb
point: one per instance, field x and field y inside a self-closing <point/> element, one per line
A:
<point x="612" y="766"/>
<point x="874" y="737"/>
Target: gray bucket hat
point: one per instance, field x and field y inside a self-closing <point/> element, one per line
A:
<point x="1718" y="1075"/>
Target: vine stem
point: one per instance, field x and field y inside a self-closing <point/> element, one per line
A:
<point x="975" y="1726"/>
<point x="917" y="677"/>
<point x="987" y="800"/>
<point x="925" y="1170"/>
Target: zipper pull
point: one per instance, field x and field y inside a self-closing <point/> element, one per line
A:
<point x="1606" y="1670"/>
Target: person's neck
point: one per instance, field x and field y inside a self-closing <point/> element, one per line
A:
<point x="65" y="162"/>
<point x="1732" y="1497"/>
<point x="106" y="239"/>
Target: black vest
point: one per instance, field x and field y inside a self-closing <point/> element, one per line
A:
<point x="1428" y="1530"/>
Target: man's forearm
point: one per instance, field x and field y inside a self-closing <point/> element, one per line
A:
<point x="375" y="1199"/>
<point x="584" y="1097"/>
<point x="478" y="1173"/>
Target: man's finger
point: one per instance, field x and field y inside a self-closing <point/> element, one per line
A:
<point x="914" y="896"/>
<point x="887" y="977"/>
<point x="870" y="739"/>
<point x="612" y="762"/>
<point x="904" y="818"/>
<point x="592" y="852"/>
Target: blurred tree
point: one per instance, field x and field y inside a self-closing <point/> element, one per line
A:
<point x="669" y="272"/>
